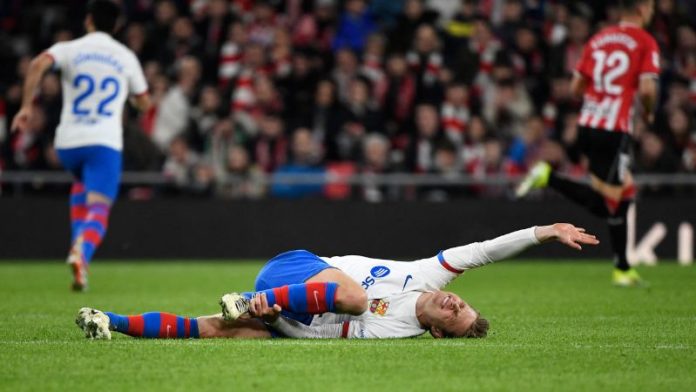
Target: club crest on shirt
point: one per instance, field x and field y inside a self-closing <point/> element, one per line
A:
<point x="379" y="306"/>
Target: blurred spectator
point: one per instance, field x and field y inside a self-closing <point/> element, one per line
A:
<point x="506" y="104"/>
<point x="473" y="149"/>
<point x="299" y="87"/>
<point x="493" y="163"/>
<point x="455" y="112"/>
<point x="325" y="120"/>
<point x="681" y="131"/>
<point x="231" y="54"/>
<point x="211" y="28"/>
<point x="135" y="39"/>
<point x="354" y="26"/>
<point x="559" y="103"/>
<point x="414" y="15"/>
<point x="375" y="161"/>
<point x="304" y="159"/>
<point x="264" y="23"/>
<point x="269" y="148"/>
<point x="345" y="70"/>
<point x="400" y="95"/>
<point x="525" y="148"/>
<point x="239" y="178"/>
<point x="426" y="61"/>
<point x="447" y="164"/>
<point x="359" y="117"/>
<point x="174" y="109"/>
<point x="653" y="157"/>
<point x="473" y="63"/>
<point x="204" y="117"/>
<point x="530" y="63"/>
<point x="421" y="151"/>
<point x="158" y="31"/>
<point x="564" y="55"/>
<point x="182" y="42"/>
<point x="372" y="67"/>
<point x="512" y="13"/>
<point x="316" y="30"/>
<point x="180" y="164"/>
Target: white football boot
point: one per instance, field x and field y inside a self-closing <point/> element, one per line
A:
<point x="233" y="306"/>
<point x="94" y="323"/>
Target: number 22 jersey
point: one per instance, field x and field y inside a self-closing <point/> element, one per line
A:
<point x="97" y="73"/>
<point x="613" y="62"/>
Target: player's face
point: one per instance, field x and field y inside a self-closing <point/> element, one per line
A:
<point x="450" y="314"/>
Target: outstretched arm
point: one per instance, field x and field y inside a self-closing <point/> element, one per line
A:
<point x="452" y="262"/>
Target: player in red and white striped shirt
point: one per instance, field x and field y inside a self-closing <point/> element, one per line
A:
<point x="619" y="64"/>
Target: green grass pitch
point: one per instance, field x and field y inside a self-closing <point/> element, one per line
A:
<point x="554" y="326"/>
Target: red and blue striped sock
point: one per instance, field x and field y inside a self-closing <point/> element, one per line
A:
<point x="78" y="208"/>
<point x="94" y="228"/>
<point x="154" y="325"/>
<point x="312" y="298"/>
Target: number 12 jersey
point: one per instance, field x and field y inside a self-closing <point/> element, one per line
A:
<point x="613" y="62"/>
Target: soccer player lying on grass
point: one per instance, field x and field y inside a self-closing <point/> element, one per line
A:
<point x="348" y="296"/>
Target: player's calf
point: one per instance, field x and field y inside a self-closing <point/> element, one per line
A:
<point x="305" y="298"/>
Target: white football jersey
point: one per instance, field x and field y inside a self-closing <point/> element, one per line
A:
<point x="393" y="288"/>
<point x="97" y="75"/>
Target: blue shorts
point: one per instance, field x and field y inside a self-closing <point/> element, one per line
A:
<point x="293" y="267"/>
<point x="97" y="167"/>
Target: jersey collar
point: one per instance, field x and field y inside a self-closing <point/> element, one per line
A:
<point x="99" y="34"/>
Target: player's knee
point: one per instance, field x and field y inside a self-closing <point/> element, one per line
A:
<point x="351" y="301"/>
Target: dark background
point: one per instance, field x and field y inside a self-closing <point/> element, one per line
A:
<point x="199" y="229"/>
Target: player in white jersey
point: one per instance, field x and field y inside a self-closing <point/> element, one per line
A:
<point x="98" y="73"/>
<point x="347" y="296"/>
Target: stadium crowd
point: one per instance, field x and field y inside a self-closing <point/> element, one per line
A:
<point x="247" y="88"/>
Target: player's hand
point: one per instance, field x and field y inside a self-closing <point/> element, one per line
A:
<point x="566" y="234"/>
<point x="258" y="307"/>
<point x="20" y="123"/>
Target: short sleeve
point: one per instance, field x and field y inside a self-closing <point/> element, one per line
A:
<point x="650" y="65"/>
<point x="137" y="85"/>
<point x="584" y="65"/>
<point x="59" y="53"/>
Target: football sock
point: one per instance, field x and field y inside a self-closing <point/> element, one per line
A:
<point x="78" y="208"/>
<point x="94" y="228"/>
<point x="312" y="298"/>
<point x="154" y="325"/>
<point x="618" y="233"/>
<point x="580" y="193"/>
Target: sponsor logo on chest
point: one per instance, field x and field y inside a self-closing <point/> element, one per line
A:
<point x="376" y="272"/>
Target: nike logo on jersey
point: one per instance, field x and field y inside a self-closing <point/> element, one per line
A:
<point x="409" y="277"/>
<point x="316" y="298"/>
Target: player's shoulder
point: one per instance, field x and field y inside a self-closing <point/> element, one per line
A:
<point x="124" y="51"/>
<point x="73" y="43"/>
<point x="639" y="34"/>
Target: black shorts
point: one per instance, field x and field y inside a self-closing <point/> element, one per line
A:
<point x="608" y="152"/>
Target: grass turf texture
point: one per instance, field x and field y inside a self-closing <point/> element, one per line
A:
<point x="554" y="326"/>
